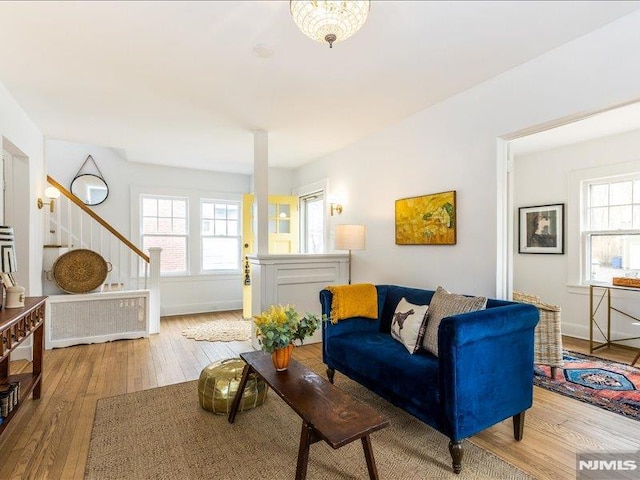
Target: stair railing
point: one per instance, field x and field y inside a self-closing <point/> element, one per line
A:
<point x="75" y="225"/>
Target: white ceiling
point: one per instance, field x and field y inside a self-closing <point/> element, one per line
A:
<point x="612" y="122"/>
<point x="178" y="83"/>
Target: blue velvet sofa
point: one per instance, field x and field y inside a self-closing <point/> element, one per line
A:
<point x="482" y="375"/>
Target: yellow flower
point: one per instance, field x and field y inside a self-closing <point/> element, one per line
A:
<point x="275" y="315"/>
<point x="280" y="325"/>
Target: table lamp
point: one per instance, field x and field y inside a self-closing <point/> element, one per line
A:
<point x="8" y="263"/>
<point x="350" y="237"/>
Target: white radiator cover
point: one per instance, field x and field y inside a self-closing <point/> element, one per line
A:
<point x="96" y="318"/>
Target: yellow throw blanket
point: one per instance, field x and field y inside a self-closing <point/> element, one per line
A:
<point x="359" y="300"/>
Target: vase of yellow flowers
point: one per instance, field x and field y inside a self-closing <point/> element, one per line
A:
<point x="278" y="327"/>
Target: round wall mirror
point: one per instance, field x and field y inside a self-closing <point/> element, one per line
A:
<point x="91" y="189"/>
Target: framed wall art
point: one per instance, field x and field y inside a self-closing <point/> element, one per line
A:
<point x="426" y="220"/>
<point x="541" y="229"/>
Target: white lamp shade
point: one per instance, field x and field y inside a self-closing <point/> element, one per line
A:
<point x="350" y="237"/>
<point x="8" y="262"/>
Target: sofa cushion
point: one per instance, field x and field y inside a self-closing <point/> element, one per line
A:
<point x="408" y="324"/>
<point x="445" y="304"/>
<point x="381" y="364"/>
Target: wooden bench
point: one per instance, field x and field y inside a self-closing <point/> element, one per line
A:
<point x="327" y="412"/>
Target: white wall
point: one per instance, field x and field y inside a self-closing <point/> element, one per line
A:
<point x="179" y="295"/>
<point x="24" y="141"/>
<point x="544" y="178"/>
<point x="452" y="146"/>
<point x="20" y="137"/>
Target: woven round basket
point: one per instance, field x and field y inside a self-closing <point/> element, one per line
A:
<point x="80" y="271"/>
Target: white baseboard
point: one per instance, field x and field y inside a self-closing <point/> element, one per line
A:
<point x="577" y="331"/>
<point x="582" y="332"/>
<point x="23" y="352"/>
<point x="96" y="339"/>
<point x="187" y="309"/>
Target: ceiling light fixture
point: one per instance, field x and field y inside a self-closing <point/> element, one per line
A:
<point x="263" y="51"/>
<point x="329" y="20"/>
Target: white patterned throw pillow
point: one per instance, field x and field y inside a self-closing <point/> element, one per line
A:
<point x="407" y="324"/>
<point x="444" y="304"/>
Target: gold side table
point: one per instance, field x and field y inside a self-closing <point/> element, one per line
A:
<point x="593" y="322"/>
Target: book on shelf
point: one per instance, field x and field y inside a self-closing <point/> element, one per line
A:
<point x="9" y="395"/>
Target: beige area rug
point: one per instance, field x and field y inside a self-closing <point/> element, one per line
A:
<point x="220" y="331"/>
<point x="164" y="434"/>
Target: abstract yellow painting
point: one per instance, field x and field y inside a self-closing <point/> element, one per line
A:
<point x="426" y="220"/>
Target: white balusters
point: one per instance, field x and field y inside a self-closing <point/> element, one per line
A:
<point x="78" y="227"/>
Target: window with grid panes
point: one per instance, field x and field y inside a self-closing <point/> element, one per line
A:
<point x="220" y="235"/>
<point x="611" y="228"/>
<point x="312" y="222"/>
<point x="164" y="224"/>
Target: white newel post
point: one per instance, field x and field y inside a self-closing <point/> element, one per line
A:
<point x="154" y="289"/>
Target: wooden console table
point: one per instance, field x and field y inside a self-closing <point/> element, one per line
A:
<point x="16" y="325"/>
<point x="593" y="310"/>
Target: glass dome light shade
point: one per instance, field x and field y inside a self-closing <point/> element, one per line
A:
<point x="329" y="20"/>
<point x="51" y="192"/>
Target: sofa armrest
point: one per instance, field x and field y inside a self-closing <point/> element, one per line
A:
<point x="486" y="366"/>
<point x="348" y="325"/>
<point x="484" y="324"/>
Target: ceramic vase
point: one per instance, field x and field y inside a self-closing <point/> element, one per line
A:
<point x="281" y="357"/>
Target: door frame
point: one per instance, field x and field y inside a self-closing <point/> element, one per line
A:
<point x="505" y="172"/>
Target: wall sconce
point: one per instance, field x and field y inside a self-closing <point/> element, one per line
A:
<point x="336" y="208"/>
<point x="51" y="193"/>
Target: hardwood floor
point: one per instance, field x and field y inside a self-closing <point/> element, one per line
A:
<point x="50" y="437"/>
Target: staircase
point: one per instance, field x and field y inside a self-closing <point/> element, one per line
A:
<point x="126" y="306"/>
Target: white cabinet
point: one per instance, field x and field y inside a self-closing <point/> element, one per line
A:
<point x="295" y="280"/>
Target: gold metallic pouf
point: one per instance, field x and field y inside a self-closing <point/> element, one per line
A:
<point x="219" y="382"/>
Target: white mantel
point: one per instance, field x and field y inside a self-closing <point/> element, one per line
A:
<point x="294" y="279"/>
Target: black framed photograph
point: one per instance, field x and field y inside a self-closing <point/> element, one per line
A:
<point x="541" y="229"/>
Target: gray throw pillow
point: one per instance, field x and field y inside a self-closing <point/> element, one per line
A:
<point x="444" y="304"/>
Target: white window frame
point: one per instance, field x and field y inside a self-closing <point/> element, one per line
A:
<point x="320" y="188"/>
<point x="238" y="237"/>
<point x="185" y="235"/>
<point x="575" y="245"/>
<point x="586" y="232"/>
<point x="302" y="208"/>
<point x="194" y="226"/>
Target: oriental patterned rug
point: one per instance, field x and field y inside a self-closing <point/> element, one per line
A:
<point x="164" y="434"/>
<point x="610" y="385"/>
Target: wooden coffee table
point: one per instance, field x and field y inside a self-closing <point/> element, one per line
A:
<point x="327" y="412"/>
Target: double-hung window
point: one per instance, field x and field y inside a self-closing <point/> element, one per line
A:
<point x="165" y="225"/>
<point x="611" y="227"/>
<point x="221" y="235"/>
<point x="312" y="220"/>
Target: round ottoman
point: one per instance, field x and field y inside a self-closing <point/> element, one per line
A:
<point x="219" y="382"/>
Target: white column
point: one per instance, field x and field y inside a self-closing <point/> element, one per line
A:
<point x="154" y="289"/>
<point x="261" y="189"/>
